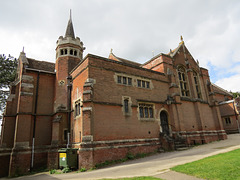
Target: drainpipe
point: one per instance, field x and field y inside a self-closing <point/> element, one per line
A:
<point x="236" y="115"/>
<point x="69" y="89"/>
<point x="34" y="120"/>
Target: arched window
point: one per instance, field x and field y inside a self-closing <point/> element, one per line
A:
<point x="183" y="81"/>
<point x="75" y="53"/>
<point x="61" y="52"/>
<point x="65" y="51"/>
<point x="71" y="52"/>
<point x="197" y="86"/>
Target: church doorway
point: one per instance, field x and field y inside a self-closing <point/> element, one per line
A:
<point x="164" y="122"/>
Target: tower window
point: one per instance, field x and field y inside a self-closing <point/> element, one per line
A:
<point x="65" y="51"/>
<point x="71" y="52"/>
<point x="75" y="53"/>
<point x="61" y="52"/>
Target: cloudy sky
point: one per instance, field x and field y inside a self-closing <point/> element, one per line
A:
<point x="134" y="29"/>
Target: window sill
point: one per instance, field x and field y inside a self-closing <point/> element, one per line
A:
<point x="147" y="119"/>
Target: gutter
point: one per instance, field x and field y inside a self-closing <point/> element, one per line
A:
<point x="34" y="121"/>
<point x="69" y="90"/>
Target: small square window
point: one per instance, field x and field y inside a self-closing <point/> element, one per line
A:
<point x="119" y="79"/>
<point x="139" y="83"/>
<point x="124" y="80"/>
<point x="141" y="112"/>
<point x="146" y="112"/>
<point x="151" y="112"/>
<point x="129" y="81"/>
<point x="148" y="84"/>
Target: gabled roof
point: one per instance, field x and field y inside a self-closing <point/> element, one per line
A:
<point x="125" y="61"/>
<point x="220" y="90"/>
<point x="41" y="65"/>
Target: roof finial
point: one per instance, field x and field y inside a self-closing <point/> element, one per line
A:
<point x="181" y="38"/>
<point x="111" y="51"/>
<point x="70" y="14"/>
<point x="23" y="49"/>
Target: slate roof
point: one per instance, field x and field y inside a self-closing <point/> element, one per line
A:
<point x="41" y="65"/>
<point x="70" y="30"/>
<point x="220" y="90"/>
<point x="127" y="61"/>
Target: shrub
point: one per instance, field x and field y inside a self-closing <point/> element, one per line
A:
<point x="66" y="170"/>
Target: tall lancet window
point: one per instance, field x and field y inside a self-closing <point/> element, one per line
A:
<point x="197" y="86"/>
<point x="183" y="82"/>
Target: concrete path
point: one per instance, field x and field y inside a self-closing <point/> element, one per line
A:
<point x="157" y="165"/>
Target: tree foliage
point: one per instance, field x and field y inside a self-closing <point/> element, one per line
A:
<point x="8" y="68"/>
<point x="235" y="94"/>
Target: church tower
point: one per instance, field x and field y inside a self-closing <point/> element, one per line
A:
<point x="69" y="52"/>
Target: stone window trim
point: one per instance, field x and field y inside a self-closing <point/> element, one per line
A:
<point x="67" y="52"/>
<point x="183" y="81"/>
<point x="197" y="85"/>
<point x="130" y="80"/>
<point x="126" y="105"/>
<point x="146" y="111"/>
<point x="124" y="80"/>
<point x="143" y="84"/>
<point x="77" y="108"/>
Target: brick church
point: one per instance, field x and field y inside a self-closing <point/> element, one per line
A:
<point x="105" y="107"/>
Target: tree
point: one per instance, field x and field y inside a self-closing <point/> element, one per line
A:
<point x="235" y="94"/>
<point x="8" y="68"/>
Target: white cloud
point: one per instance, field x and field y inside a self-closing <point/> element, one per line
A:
<point x="132" y="28"/>
<point x="230" y="83"/>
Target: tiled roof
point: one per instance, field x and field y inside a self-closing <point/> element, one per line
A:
<point x="41" y="65"/>
<point x="125" y="61"/>
<point x="128" y="62"/>
<point x="220" y="90"/>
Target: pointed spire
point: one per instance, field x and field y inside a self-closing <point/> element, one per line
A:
<point x="70" y="30"/>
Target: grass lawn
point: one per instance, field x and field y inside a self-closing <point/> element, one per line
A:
<point x="136" y="178"/>
<point x="222" y="166"/>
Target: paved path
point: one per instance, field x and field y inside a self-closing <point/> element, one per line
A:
<point x="157" y="165"/>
